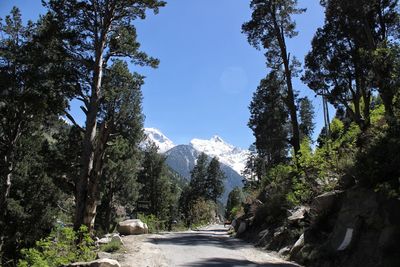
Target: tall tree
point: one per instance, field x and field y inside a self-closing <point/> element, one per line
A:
<point x="214" y="180"/>
<point x="35" y="82"/>
<point x="270" y="25"/>
<point x="122" y="113"/>
<point x="97" y="31"/>
<point x="268" y="121"/>
<point x="353" y="54"/>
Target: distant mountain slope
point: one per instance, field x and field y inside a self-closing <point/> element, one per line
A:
<point x="182" y="159"/>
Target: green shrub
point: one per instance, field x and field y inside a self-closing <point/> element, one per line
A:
<point x="202" y="212"/>
<point x="61" y="247"/>
<point x="153" y="223"/>
<point x="111" y="246"/>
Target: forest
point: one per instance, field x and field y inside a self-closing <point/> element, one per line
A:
<point x="64" y="183"/>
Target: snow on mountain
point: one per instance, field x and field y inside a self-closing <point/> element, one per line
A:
<point x="164" y="143"/>
<point x="228" y="154"/>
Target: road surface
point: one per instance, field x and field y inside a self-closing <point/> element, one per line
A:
<point x="210" y="246"/>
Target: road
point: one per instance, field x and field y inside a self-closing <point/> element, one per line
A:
<point x="210" y="246"/>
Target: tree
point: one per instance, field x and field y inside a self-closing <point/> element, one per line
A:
<point x="269" y="27"/>
<point x="306" y="114"/>
<point x="33" y="85"/>
<point x="268" y="121"/>
<point x="214" y="180"/>
<point x="198" y="186"/>
<point x="121" y="113"/>
<point x="353" y="54"/>
<point x="96" y="32"/>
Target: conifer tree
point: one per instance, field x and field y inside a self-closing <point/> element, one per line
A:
<point x="214" y="180"/>
<point x="94" y="32"/>
<point x="270" y="25"/>
<point x="35" y="82"/>
<point x="268" y="121"/>
<point x="198" y="186"/>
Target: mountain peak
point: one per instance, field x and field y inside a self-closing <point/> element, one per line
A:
<point x="216" y="138"/>
<point x="228" y="154"/>
<point x="155" y="135"/>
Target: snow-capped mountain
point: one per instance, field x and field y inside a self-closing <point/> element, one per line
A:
<point x="164" y="143"/>
<point x="182" y="159"/>
<point x="228" y="154"/>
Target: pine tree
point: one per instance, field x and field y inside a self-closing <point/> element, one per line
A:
<point x="33" y="85"/>
<point x="270" y="25"/>
<point x="95" y="32"/>
<point x="214" y="180"/>
<point x="268" y="121"/>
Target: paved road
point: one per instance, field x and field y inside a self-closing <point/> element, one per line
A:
<point x="210" y="246"/>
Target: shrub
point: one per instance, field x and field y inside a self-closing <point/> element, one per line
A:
<point x="153" y="223"/>
<point x="61" y="247"/>
<point x="111" y="247"/>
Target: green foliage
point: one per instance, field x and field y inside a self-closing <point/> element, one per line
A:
<point x="214" y="180"/>
<point x="153" y="223"/>
<point x="112" y="246"/>
<point x="202" y="212"/>
<point x="268" y="121"/>
<point x="234" y="202"/>
<point x="61" y="247"/>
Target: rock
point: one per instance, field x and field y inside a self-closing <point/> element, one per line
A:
<point x="297" y="246"/>
<point x="298" y="213"/>
<point x="117" y="239"/>
<point x="132" y="227"/>
<point x="284" y="251"/>
<point x="234" y="222"/>
<point x="326" y="201"/>
<point x="242" y="228"/>
<point x="104" y="240"/>
<point x="389" y="237"/>
<point x="103" y="255"/>
<point x="97" y="263"/>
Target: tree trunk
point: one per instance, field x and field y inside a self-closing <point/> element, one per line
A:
<point x="290" y="99"/>
<point x="86" y="186"/>
<point x="4" y="199"/>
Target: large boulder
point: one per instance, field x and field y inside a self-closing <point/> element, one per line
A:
<point x="97" y="263"/>
<point x="132" y="227"/>
<point x="298" y="213"/>
<point x="326" y="201"/>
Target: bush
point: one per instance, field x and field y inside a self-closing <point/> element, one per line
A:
<point x="153" y="223"/>
<point x="111" y="247"/>
<point x="202" y="212"/>
<point x="61" y="247"/>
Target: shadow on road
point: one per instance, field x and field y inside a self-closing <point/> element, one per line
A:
<point x="225" y="262"/>
<point x="199" y="239"/>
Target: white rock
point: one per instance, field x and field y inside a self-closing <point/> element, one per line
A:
<point x="97" y="263"/>
<point x="132" y="227"/>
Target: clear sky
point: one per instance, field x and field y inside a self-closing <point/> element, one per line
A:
<point x="208" y="71"/>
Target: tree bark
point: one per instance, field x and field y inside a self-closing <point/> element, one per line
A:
<point x="4" y="197"/>
<point x="85" y="202"/>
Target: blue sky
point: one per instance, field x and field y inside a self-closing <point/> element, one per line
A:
<point x="208" y="71"/>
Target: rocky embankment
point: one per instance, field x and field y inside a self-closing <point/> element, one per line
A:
<point x="356" y="227"/>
